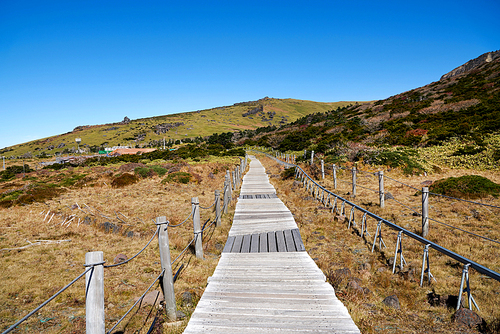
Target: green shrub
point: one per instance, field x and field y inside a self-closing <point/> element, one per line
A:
<point x="178" y="177"/>
<point x="159" y="170"/>
<point x="468" y="186"/>
<point x="10" y="172"/>
<point x="396" y="159"/>
<point x="468" y="150"/>
<point x="143" y="172"/>
<point x="288" y="174"/>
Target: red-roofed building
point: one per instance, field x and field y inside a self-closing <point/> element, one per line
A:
<point x="121" y="151"/>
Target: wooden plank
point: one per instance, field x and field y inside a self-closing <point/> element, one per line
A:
<point x="245" y="245"/>
<point x="280" y="241"/>
<point x="237" y="244"/>
<point x="254" y="244"/>
<point x="271" y="242"/>
<point x="290" y="244"/>
<point x="298" y="240"/>
<point x="263" y="243"/>
<point x="229" y="245"/>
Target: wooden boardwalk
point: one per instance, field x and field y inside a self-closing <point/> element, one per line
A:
<point x="265" y="282"/>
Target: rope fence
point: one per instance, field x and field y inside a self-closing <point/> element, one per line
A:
<point x="94" y="263"/>
<point x="315" y="188"/>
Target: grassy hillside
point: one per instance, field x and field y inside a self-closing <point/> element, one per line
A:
<point x="148" y="131"/>
<point x="457" y="116"/>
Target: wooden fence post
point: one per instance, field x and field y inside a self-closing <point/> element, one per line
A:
<point x="198" y="247"/>
<point x="94" y="301"/>
<point x="425" y="211"/>
<point x="381" y="188"/>
<point x="167" y="281"/>
<point x="217" y="209"/>
<point x="229" y="187"/>
<point x="334" y="176"/>
<point x="354" y="181"/>
<point x="226" y="194"/>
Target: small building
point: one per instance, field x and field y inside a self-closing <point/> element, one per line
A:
<point x="121" y="151"/>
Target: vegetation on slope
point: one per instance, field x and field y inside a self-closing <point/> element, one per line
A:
<point x="187" y="127"/>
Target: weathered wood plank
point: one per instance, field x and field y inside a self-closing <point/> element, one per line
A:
<point x="263" y="243"/>
<point x="280" y="241"/>
<point x="298" y="240"/>
<point x="271" y="241"/>
<point x="237" y="244"/>
<point x="290" y="244"/>
<point x="254" y="243"/>
<point x="245" y="245"/>
<point x="229" y="245"/>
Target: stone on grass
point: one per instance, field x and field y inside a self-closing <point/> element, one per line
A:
<point x="187" y="298"/>
<point x="120" y="258"/>
<point x="180" y="315"/>
<point x="392" y="301"/>
<point x="151" y="297"/>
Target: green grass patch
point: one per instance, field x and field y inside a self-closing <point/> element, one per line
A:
<point x="468" y="187"/>
<point x="72" y="179"/>
<point x="150" y="171"/>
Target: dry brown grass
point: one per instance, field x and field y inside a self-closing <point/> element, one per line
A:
<point x="334" y="247"/>
<point x="29" y="276"/>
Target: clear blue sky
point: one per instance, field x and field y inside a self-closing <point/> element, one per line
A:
<point x="70" y="63"/>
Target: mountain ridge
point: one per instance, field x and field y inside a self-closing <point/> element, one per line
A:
<point x="472" y="64"/>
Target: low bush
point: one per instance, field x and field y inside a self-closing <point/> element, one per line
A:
<point x="10" y="172"/>
<point x="177" y="177"/>
<point x="124" y="180"/>
<point x="288" y="174"/>
<point x="468" y="186"/>
<point x="396" y="159"/>
<point x="39" y="193"/>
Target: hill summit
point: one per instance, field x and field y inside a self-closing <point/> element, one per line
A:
<point x="472" y="64"/>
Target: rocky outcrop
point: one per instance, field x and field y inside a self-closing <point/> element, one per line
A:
<point x="472" y="64"/>
<point x="163" y="128"/>
<point x="253" y="111"/>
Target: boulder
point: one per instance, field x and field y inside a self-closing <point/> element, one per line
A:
<point x="468" y="318"/>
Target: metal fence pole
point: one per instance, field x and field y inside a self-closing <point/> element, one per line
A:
<point x="217" y="209"/>
<point x="381" y="188"/>
<point x="425" y="211"/>
<point x="94" y="287"/>
<point x="165" y="260"/>
<point x="334" y="176"/>
<point x="354" y="181"/>
<point x="322" y="170"/>
<point x="312" y="157"/>
<point x="198" y="247"/>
